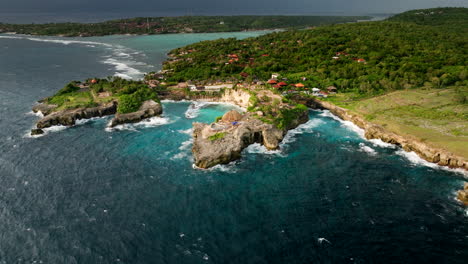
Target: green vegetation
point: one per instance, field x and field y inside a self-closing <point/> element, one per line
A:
<point x="217" y="119"/>
<point x="217" y="136"/>
<point x="129" y="94"/>
<point x="408" y="73"/>
<point x="188" y="24"/>
<point x="397" y="55"/>
<point x="449" y="16"/>
<point x="430" y="115"/>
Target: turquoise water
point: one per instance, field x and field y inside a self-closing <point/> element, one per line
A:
<point x="130" y="195"/>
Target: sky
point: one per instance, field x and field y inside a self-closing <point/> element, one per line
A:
<point x="215" y="7"/>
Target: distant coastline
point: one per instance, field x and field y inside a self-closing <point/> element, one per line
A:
<point x="174" y="25"/>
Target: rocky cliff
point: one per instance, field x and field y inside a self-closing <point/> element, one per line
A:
<point x="148" y="109"/>
<point x="69" y="117"/>
<point x="223" y="141"/>
<point x="374" y="131"/>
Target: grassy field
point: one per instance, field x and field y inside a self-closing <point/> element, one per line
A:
<point x="438" y="117"/>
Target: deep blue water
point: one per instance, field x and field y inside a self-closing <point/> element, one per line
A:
<point x="87" y="195"/>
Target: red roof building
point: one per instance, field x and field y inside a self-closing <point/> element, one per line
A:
<point x="299" y="85"/>
<point x="272" y="82"/>
<point x="282" y="84"/>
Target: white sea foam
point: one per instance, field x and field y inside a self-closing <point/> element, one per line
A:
<point x="187" y="131"/>
<point x="149" y="122"/>
<point x="301" y="129"/>
<point x="348" y="124"/>
<point x="364" y="148"/>
<point x="380" y="143"/>
<point x="194" y="109"/>
<point x="87" y="120"/>
<point x="124" y="68"/>
<point x="186" y="144"/>
<point x="414" y="159"/>
<point x="38" y="114"/>
<point x="260" y="149"/>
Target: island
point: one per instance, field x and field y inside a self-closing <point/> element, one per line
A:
<point x="168" y="25"/>
<point x="403" y="80"/>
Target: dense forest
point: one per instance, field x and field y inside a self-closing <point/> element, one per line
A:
<point x="368" y="57"/>
<point x="187" y="24"/>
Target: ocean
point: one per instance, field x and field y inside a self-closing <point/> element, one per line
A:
<point x="87" y="194"/>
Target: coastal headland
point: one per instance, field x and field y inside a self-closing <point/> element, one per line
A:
<point x="374" y="74"/>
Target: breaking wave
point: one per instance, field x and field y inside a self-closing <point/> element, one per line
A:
<point x="367" y="149"/>
<point x="146" y="123"/>
<point x="301" y="129"/>
<point x="414" y="159"/>
<point x="122" y="58"/>
<point x="348" y="124"/>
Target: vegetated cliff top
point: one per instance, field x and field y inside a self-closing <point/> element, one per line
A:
<point x="454" y="16"/>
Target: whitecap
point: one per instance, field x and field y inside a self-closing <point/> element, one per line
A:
<point x="186" y="131"/>
<point x="179" y="156"/>
<point x="149" y="122"/>
<point x="348" y="124"/>
<point x="38" y="114"/>
<point x="55" y="128"/>
<point x="67" y="42"/>
<point x="258" y="148"/>
<point x="186" y="144"/>
<point x="194" y="109"/>
<point x="87" y="120"/>
<point x="301" y="129"/>
<point x="380" y="143"/>
<point x="123" y="68"/>
<point x="367" y="149"/>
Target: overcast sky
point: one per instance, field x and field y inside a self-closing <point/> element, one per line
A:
<point x="223" y="6"/>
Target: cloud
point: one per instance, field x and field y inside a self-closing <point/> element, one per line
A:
<point x="224" y="6"/>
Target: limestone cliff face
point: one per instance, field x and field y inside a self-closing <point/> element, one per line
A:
<point x="238" y="97"/>
<point x="221" y="143"/>
<point x="69" y="117"/>
<point x="148" y="109"/>
<point x="374" y="131"/>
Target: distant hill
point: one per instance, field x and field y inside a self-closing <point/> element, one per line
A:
<point x="454" y="16"/>
<point x="186" y="24"/>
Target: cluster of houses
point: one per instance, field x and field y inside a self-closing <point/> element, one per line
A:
<point x="282" y="85"/>
<point x="342" y="53"/>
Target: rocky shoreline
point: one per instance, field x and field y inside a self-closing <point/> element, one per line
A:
<point x="68" y="117"/>
<point x="374" y="131"/>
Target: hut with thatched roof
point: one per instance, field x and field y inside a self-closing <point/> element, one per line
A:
<point x="231" y="116"/>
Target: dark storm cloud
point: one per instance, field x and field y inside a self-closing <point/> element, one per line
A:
<point x="222" y="6"/>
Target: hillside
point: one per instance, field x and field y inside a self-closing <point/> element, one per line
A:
<point x="367" y="57"/>
<point x="407" y="76"/>
<point x="186" y="24"/>
<point x="456" y="18"/>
